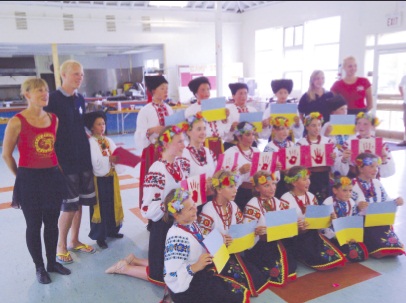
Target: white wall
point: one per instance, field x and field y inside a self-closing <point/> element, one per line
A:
<point x="358" y="19"/>
<point x="188" y="38"/>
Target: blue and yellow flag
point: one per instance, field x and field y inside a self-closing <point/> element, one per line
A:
<point x="380" y="214"/>
<point x="349" y="229"/>
<point x="255" y="118"/>
<point x="342" y="124"/>
<point x="281" y="224"/>
<point x="177" y="118"/>
<point x="318" y="216"/>
<point x="287" y="110"/>
<point x="243" y="237"/>
<point x="214" y="109"/>
<point x="214" y="243"/>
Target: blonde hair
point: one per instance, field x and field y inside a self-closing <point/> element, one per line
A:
<point x="68" y="65"/>
<point x="311" y="91"/>
<point x="31" y="84"/>
<point x="220" y="175"/>
<point x="346" y="59"/>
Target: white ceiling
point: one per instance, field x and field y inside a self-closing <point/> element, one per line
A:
<point x="227" y="6"/>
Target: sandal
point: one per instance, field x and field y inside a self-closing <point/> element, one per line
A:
<point x="66" y="256"/>
<point x="84" y="248"/>
<point x="117" y="268"/>
<point x="130" y="258"/>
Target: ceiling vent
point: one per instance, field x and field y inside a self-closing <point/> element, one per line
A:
<point x="146" y="23"/>
<point x="21" y="20"/>
<point x="68" y="24"/>
<point x="111" y="23"/>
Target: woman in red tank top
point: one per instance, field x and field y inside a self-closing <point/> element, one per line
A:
<point x="39" y="183"/>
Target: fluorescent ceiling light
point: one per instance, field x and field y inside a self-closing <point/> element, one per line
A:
<point x="169" y="3"/>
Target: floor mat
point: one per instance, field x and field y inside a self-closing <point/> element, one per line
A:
<point x="319" y="283"/>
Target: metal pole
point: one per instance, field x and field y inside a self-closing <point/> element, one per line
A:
<point x="219" y="48"/>
<point x="55" y="61"/>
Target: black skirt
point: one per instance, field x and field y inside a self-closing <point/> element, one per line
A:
<point x="38" y="188"/>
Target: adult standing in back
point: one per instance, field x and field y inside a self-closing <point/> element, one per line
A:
<point x="73" y="151"/>
<point x="355" y="90"/>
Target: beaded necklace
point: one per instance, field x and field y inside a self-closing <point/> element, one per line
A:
<point x="267" y="205"/>
<point x="225" y="218"/>
<point x="249" y="156"/>
<point x="242" y="109"/>
<point x="299" y="202"/>
<point x="173" y="169"/>
<point x="283" y="144"/>
<point x="368" y="189"/>
<point x="198" y="155"/>
<point x="310" y="143"/>
<point x="340" y="208"/>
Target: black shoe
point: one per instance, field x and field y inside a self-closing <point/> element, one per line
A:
<point x="58" y="268"/>
<point x="102" y="244"/>
<point x="42" y="276"/>
<point x="117" y="236"/>
<point x="403" y="143"/>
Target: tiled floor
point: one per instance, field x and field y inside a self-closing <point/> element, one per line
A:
<point x="372" y="281"/>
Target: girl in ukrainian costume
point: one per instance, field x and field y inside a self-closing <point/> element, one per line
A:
<point x="365" y="124"/>
<point x="239" y="92"/>
<point x="344" y="206"/>
<point x="39" y="186"/>
<point x="216" y="130"/>
<point x="381" y="241"/>
<point x="320" y="175"/>
<point x="282" y="88"/>
<point x="150" y="122"/>
<point x="270" y="257"/>
<point x="310" y="246"/>
<point x="187" y="263"/>
<point x="280" y="134"/>
<point x="164" y="175"/>
<point x="107" y="215"/>
<point x="220" y="214"/>
<point x="245" y="135"/>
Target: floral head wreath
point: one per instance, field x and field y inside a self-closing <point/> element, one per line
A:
<point x="263" y="179"/>
<point x="248" y="127"/>
<point x="175" y="205"/>
<point x="167" y="136"/>
<point x="314" y="115"/>
<point x="192" y="119"/>
<point x="301" y="174"/>
<point x="367" y="161"/>
<point x="224" y="181"/>
<point x="371" y="118"/>
<point x="279" y="121"/>
<point x="343" y="181"/>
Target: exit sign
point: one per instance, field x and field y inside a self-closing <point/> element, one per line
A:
<point x="393" y="20"/>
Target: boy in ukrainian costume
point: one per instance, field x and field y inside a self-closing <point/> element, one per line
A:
<point x="280" y="134"/>
<point x="245" y="135"/>
<point x="381" y="241"/>
<point x="220" y="214"/>
<point x="150" y="122"/>
<point x="107" y="215"/>
<point x="320" y="175"/>
<point x="365" y="124"/>
<point x="282" y="88"/>
<point x="272" y="258"/>
<point x="344" y="206"/>
<point x="310" y="246"/>
<point x="216" y="130"/>
<point x="239" y="92"/>
<point x="187" y="263"/>
<point x="164" y="175"/>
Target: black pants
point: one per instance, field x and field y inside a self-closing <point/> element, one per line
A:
<point x="34" y="218"/>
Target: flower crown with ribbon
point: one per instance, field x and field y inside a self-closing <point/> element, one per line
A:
<point x="371" y="118"/>
<point x="192" y="119"/>
<point x="224" y="181"/>
<point x="248" y="127"/>
<point x="175" y="205"/>
<point x="263" y="179"/>
<point x="301" y="174"/>
<point x="314" y="115"/>
<point x="279" y="122"/>
<point x="367" y="161"/>
<point x="167" y="135"/>
<point x="342" y="181"/>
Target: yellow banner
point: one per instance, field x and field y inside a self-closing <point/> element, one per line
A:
<point x="343" y="129"/>
<point x="221" y="257"/>
<point x="379" y="219"/>
<point x="241" y="244"/>
<point x="281" y="231"/>
<point x="215" y="114"/>
<point x="350" y="234"/>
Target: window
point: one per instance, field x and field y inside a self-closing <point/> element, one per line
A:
<point x="293" y="36"/>
<point x="151" y="64"/>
